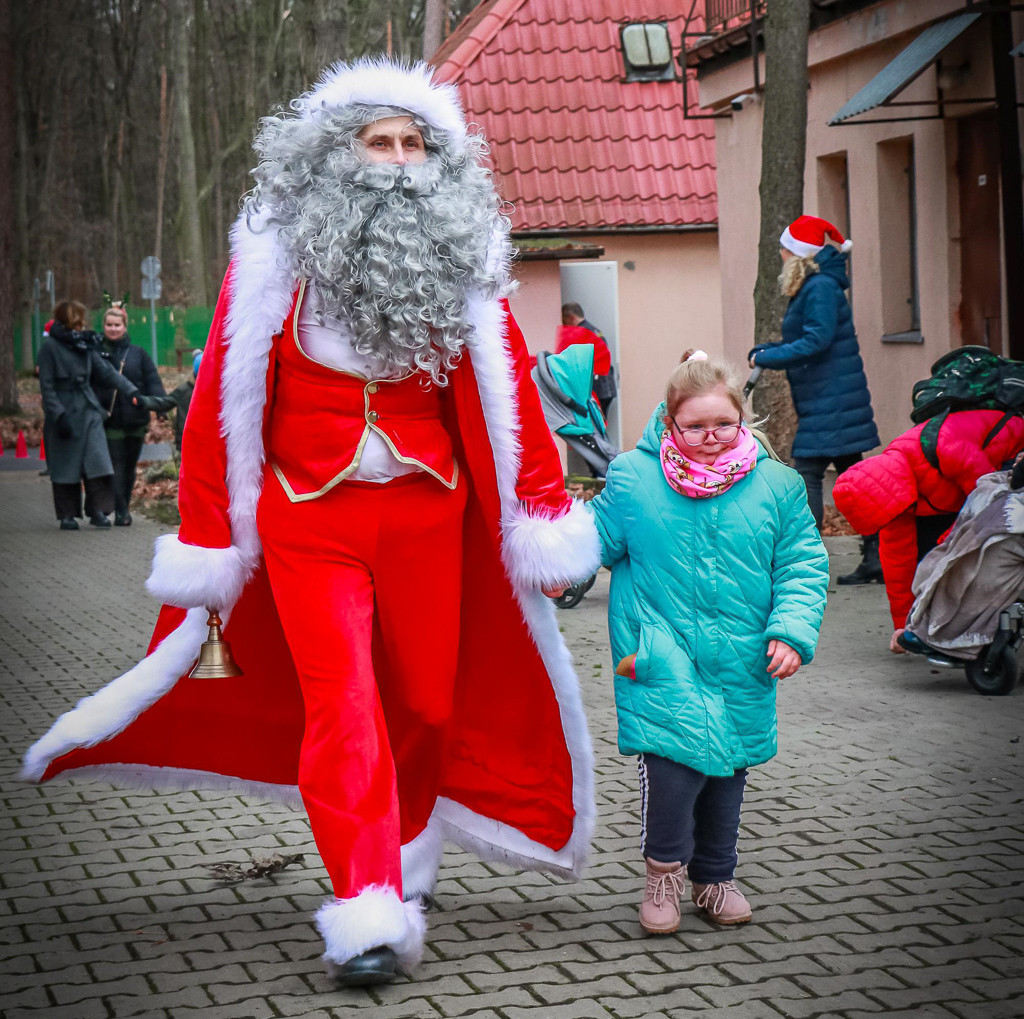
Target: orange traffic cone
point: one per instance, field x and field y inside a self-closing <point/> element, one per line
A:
<point x="20" y="448"/>
<point x="42" y="448"/>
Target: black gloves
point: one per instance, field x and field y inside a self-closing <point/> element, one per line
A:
<point x="64" y="429"/>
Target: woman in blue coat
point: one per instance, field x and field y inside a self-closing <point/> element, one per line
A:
<point x="718" y="589"/>
<point x="821" y="358"/>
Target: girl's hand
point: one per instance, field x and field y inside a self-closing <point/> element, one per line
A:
<point x="784" y="660"/>
<point x="894" y="647"/>
<point x="554" y="592"/>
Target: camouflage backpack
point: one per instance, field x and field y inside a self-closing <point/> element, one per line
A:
<point x="968" y="378"/>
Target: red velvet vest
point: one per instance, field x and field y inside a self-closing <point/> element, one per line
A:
<point x="320" y="419"/>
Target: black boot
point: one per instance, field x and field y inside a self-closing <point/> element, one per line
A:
<point x="869" y="570"/>
<point x="375" y="966"/>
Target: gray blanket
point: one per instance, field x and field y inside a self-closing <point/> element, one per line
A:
<point x="963" y="584"/>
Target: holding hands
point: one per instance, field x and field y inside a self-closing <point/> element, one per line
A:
<point x="784" y="661"/>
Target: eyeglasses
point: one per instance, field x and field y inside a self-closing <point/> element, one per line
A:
<point x="698" y="436"/>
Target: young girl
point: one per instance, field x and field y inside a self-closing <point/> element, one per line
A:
<point x="718" y="589"/>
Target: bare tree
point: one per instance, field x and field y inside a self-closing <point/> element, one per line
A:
<point x="433" y="26"/>
<point x="190" y="227"/>
<point x="783" y="151"/>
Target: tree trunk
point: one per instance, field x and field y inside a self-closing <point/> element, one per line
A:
<point x="433" y="27"/>
<point x="190" y="235"/>
<point x="783" y="149"/>
<point x="23" y="237"/>
<point x="8" y="266"/>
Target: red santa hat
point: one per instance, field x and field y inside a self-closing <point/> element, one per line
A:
<point x="807" y="235"/>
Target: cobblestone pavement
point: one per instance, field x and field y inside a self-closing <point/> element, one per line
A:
<point x="881" y="849"/>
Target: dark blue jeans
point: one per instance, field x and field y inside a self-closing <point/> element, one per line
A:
<point x="812" y="470"/>
<point x="690" y="817"/>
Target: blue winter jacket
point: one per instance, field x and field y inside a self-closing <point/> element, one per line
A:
<point x="699" y="587"/>
<point x="821" y="357"/>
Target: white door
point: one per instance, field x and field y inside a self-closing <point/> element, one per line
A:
<point x="595" y="286"/>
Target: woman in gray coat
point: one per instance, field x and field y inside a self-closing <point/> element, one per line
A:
<point x="76" y="446"/>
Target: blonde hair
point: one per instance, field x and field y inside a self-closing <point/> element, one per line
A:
<point x="697" y="377"/>
<point x="116" y="309"/>
<point x="794" y="271"/>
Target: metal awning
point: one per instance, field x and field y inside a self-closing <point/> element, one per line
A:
<point x="901" y="71"/>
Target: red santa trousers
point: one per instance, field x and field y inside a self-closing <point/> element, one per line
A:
<point x="367" y="581"/>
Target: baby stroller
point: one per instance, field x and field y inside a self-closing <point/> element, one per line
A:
<point x="969" y="607"/>
<point x="565" y="384"/>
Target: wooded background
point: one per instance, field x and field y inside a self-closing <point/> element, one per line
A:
<point x="133" y="122"/>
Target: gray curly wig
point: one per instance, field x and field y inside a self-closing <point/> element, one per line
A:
<point x="395" y="252"/>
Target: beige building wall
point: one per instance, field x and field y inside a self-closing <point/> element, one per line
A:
<point x="669" y="299"/>
<point x="872" y="158"/>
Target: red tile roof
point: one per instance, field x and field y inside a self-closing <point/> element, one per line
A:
<point x="574" y="145"/>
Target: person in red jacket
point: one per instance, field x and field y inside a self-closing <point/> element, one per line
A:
<point x="369" y="489"/>
<point x="911" y="503"/>
<point x="576" y="328"/>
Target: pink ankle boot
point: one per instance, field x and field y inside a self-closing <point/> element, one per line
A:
<point x="666" y="882"/>
<point x="722" y="902"/>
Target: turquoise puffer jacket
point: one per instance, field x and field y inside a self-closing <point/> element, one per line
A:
<point x="699" y="587"/>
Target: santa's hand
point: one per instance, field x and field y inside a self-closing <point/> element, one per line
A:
<point x="894" y="646"/>
<point x="554" y="592"/>
<point x="784" y="660"/>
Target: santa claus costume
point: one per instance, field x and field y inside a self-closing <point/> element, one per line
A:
<point x="404" y="676"/>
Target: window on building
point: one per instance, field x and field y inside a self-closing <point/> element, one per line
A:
<point x="833" y="180"/>
<point x="646" y="52"/>
<point x="897" y="230"/>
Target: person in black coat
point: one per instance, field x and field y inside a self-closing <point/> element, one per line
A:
<point x="821" y="357"/>
<point x="126" y="424"/>
<point x="76" y="449"/>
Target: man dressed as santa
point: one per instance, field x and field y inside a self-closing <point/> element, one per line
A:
<point x="372" y="501"/>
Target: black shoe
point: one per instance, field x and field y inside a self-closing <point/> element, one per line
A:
<point x="869" y="571"/>
<point x="99" y="520"/>
<point x="865" y="573"/>
<point x="123" y="519"/>
<point x="374" y="966"/>
<point x="69" y="524"/>
<point x="912" y="643"/>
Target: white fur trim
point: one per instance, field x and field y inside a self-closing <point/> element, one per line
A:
<point x="847" y="245"/>
<point x="377" y="81"/>
<point x="190" y="576"/>
<point x="262" y="290"/>
<point x="801" y="248"/>
<point x="548" y="551"/>
<point x="149" y="777"/>
<point x="375" y="917"/>
<point x="421" y="860"/>
<point x="484" y="836"/>
<point x="109" y="710"/>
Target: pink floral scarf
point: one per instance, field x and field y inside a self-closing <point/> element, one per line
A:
<point x="702" y="481"/>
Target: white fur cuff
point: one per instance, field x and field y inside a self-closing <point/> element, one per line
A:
<point x="421" y="859"/>
<point x="190" y="576"/>
<point x="548" y="551"/>
<point x="375" y="917"/>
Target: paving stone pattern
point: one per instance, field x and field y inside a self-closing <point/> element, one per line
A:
<point x="882" y="848"/>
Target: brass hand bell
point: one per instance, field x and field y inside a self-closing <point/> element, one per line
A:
<point x="215" y="658"/>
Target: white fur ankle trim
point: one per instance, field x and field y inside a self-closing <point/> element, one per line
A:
<point x="421" y="859"/>
<point x="375" y="917"/>
<point x="547" y="551"/>
<point x="191" y="576"/>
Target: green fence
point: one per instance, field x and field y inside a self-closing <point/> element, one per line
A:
<point x="179" y="331"/>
